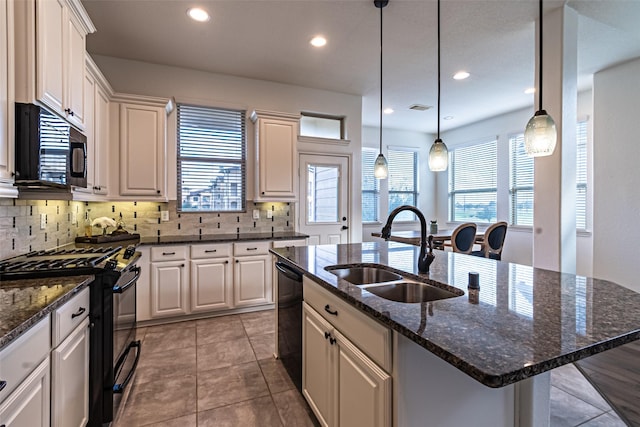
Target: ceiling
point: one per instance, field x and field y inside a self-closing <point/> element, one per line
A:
<point x="269" y="40"/>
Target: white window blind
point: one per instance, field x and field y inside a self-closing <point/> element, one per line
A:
<point x="211" y="159"/>
<point x="370" y="187"/>
<point x="403" y="181"/>
<point x="581" y="176"/>
<point x="473" y="183"/>
<point x="521" y="182"/>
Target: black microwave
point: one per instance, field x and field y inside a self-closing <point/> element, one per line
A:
<point x="50" y="153"/>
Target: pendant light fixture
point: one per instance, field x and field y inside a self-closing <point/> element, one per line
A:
<point x="540" y="134"/>
<point x="438" y="154"/>
<point x="380" y="168"/>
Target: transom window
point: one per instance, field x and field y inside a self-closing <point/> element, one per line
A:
<point x="211" y="159"/>
<point x="403" y="181"/>
<point x="473" y="183"/>
<point x="321" y="126"/>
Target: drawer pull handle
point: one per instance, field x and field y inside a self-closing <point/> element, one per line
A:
<point x="210" y="251"/>
<point x="168" y="253"/>
<point x="80" y="311"/>
<point x="252" y="249"/>
<point x="327" y="308"/>
<point x="3" y="384"/>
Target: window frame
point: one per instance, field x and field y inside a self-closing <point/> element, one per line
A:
<point x="242" y="162"/>
<point x="452" y="191"/>
<point x="340" y="119"/>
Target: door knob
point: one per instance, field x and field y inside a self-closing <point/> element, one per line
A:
<point x="344" y="227"/>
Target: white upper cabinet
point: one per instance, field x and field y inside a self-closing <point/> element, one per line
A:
<point x="61" y="29"/>
<point x="6" y="100"/>
<point x="276" y="151"/>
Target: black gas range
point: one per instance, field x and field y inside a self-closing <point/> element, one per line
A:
<point x="112" y="312"/>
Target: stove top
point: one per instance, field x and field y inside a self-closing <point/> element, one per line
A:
<point x="66" y="261"/>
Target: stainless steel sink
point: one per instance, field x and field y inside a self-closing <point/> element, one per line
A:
<point x="392" y="286"/>
<point x="411" y="292"/>
<point x="365" y="275"/>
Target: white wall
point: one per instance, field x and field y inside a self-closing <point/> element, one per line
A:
<point x="426" y="179"/>
<point x="617" y="174"/>
<point x="205" y="88"/>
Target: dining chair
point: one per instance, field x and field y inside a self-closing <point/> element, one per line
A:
<point x="463" y="238"/>
<point x="493" y="242"/>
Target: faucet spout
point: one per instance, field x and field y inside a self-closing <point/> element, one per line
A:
<point x="424" y="258"/>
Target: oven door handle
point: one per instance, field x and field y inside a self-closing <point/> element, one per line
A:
<point x="120" y="289"/>
<point x="119" y="388"/>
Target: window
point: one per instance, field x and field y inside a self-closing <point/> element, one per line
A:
<point x="321" y="126"/>
<point x="520" y="182"/>
<point x="403" y="181"/>
<point x="581" y="176"/>
<point x="370" y="187"/>
<point x="211" y="159"/>
<point x="473" y="183"/>
<point x="322" y="194"/>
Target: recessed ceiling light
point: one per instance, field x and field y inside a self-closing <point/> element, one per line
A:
<point x="447" y="118"/>
<point x="388" y="110"/>
<point x="461" y="75"/>
<point x="198" y="14"/>
<point x="530" y="90"/>
<point x="318" y="41"/>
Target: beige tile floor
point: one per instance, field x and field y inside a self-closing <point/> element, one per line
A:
<point x="221" y="372"/>
<point x="213" y="372"/>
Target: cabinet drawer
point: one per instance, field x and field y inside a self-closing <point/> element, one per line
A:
<point x="289" y="243"/>
<point x="365" y="332"/>
<point x="69" y="316"/>
<point x="251" y="248"/>
<point x="211" y="251"/>
<point x="168" y="253"/>
<point x="23" y="355"/>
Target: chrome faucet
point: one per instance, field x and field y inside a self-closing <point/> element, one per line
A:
<point x="425" y="258"/>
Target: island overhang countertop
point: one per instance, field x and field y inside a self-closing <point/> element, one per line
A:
<point x="521" y="322"/>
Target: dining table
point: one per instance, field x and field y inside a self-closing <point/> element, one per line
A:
<point x="440" y="239"/>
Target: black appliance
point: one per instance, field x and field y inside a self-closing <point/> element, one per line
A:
<point x="49" y="152"/>
<point x="112" y="313"/>
<point x="289" y="308"/>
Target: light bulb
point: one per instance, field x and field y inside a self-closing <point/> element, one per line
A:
<point x="438" y="156"/>
<point x="540" y="135"/>
<point x="380" y="169"/>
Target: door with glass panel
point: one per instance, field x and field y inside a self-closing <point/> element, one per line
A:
<point x="324" y="198"/>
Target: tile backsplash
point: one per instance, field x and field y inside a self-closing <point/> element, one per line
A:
<point x="20" y="221"/>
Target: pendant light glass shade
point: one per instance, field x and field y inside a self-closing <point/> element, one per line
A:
<point x="380" y="169"/>
<point x="438" y="156"/>
<point x="540" y="135"/>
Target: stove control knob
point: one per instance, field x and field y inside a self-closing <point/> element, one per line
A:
<point x="111" y="264"/>
<point x="128" y="253"/>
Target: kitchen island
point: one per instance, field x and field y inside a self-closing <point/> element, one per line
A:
<point x="507" y="335"/>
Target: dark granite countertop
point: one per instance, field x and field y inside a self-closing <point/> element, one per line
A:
<point x="523" y="321"/>
<point x="220" y="238"/>
<point x="24" y="302"/>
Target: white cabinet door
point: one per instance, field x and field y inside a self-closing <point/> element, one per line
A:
<point x="7" y="108"/>
<point x="70" y="379"/>
<point x="211" y="284"/>
<point x="169" y="288"/>
<point x="252" y="280"/>
<point x="318" y="367"/>
<point x="142" y="150"/>
<point x="75" y="106"/>
<point x="29" y="404"/>
<point x="276" y="139"/>
<point x="364" y="389"/>
<point x="51" y="25"/>
<point x="101" y="136"/>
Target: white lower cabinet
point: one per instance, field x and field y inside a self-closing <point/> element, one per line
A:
<point x="29" y="404"/>
<point x="168" y="288"/>
<point x="343" y="385"/>
<point x="211" y="284"/>
<point x="252" y="280"/>
<point x="70" y="379"/>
